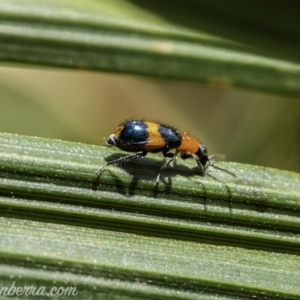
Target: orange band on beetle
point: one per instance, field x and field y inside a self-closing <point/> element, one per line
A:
<point x="155" y="140"/>
<point x="188" y="144"/>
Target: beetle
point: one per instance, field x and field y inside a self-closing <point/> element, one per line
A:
<point x="142" y="137"/>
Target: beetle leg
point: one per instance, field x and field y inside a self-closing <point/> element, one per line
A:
<point x="165" y="165"/>
<point x="201" y="167"/>
<point x="196" y="158"/>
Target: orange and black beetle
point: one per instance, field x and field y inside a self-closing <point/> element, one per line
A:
<point x="142" y="137"/>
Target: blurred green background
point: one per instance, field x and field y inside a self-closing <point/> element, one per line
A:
<point x="86" y="106"/>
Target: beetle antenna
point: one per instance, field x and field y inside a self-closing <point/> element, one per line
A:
<point x="217" y="156"/>
<point x="219" y="168"/>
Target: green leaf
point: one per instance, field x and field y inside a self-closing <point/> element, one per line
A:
<point x="121" y="237"/>
<point x="251" y="45"/>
